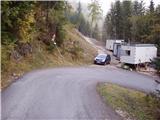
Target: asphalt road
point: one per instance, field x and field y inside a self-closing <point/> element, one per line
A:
<point x="67" y="93"/>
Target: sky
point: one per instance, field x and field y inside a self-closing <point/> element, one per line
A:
<point x="105" y="4"/>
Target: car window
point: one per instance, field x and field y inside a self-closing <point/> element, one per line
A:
<point x="101" y="56"/>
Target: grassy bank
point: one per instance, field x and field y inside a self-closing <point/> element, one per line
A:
<point x="130" y="104"/>
<point x="75" y="51"/>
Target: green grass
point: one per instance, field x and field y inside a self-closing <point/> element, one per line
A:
<point x="137" y="105"/>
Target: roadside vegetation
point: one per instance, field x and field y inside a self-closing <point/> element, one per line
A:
<point x="156" y="62"/>
<point x="129" y="103"/>
<point x="27" y="30"/>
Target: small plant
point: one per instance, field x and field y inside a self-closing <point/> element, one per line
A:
<point x="156" y="62"/>
<point x="50" y="47"/>
<point x="76" y="51"/>
<point x="153" y="102"/>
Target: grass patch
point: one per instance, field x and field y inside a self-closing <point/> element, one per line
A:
<point x="132" y="104"/>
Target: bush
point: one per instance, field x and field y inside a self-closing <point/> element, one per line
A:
<point x="156" y="62"/>
<point x="76" y="51"/>
<point x="5" y="56"/>
<point x="60" y="35"/>
<point x="51" y="47"/>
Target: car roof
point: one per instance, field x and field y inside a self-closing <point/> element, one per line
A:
<point x="102" y="54"/>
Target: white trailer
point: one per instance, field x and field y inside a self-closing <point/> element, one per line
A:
<point x="110" y="43"/>
<point x="138" y="53"/>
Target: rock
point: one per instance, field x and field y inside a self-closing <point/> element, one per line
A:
<point x="16" y="76"/>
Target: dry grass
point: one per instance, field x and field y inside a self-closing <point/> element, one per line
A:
<point x="88" y="52"/>
<point x="41" y="58"/>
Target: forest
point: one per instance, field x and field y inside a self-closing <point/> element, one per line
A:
<point x="133" y="22"/>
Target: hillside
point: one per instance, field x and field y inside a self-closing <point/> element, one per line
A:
<point x="27" y="30"/>
<point x="75" y="51"/>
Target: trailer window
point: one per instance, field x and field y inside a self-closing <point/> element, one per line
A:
<point x="128" y="52"/>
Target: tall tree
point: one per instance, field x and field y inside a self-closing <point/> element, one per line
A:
<point x="88" y="29"/>
<point x="82" y="24"/>
<point x="158" y="10"/>
<point x="118" y="20"/>
<point x="137" y="13"/>
<point x="138" y="8"/>
<point x="127" y="12"/>
<point x="96" y="33"/>
<point x="109" y="24"/>
<point x="104" y="30"/>
<point x="141" y="8"/>
<point x="95" y="12"/>
<point x="80" y="17"/>
<point x="79" y="9"/>
<point x="151" y="7"/>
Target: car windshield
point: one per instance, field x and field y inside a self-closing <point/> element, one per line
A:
<point x="101" y="56"/>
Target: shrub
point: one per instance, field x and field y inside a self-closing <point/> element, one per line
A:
<point x="5" y="56"/>
<point x="156" y="62"/>
<point x="76" y="51"/>
<point x="60" y="34"/>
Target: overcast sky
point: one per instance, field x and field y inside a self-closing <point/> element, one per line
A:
<point x="105" y="4"/>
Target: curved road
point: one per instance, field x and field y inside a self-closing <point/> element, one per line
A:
<point x="67" y="93"/>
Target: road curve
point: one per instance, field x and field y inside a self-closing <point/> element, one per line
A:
<point x="67" y="93"/>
